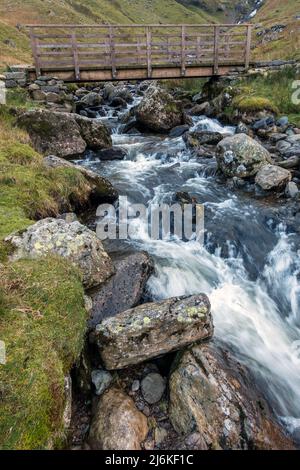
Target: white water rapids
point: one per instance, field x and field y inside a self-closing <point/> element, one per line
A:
<point x="248" y="267"/>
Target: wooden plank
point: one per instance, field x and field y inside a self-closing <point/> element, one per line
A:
<point x="216" y="49"/>
<point x="148" y="40"/>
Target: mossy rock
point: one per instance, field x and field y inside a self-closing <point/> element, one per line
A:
<point x="250" y="104"/>
<point x="42" y="322"/>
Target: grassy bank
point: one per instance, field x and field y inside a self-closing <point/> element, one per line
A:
<point x="42" y="320"/>
<point x="272" y="92"/>
<point x="42" y="315"/>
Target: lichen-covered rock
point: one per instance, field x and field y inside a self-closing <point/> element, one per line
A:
<point x="215" y="396"/>
<point x="102" y="189"/>
<point x="153" y="329"/>
<point x="240" y="155"/>
<point x="63" y="134"/>
<point x="72" y="241"/>
<point x="158" y="111"/>
<point x="94" y="133"/>
<point x="123" y="290"/>
<point x="117" y="424"/>
<point x="272" y="177"/>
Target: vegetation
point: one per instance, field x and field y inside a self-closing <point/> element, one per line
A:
<point x="42" y="315"/>
<point x="42" y="320"/>
<point x="272" y="92"/>
<point x="284" y="44"/>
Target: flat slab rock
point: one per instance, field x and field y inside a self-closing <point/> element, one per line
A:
<point x="153" y="329"/>
<point x="123" y="290"/>
<point x="73" y="241"/>
<point x="215" y="396"/>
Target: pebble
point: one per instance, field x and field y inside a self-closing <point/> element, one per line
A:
<point x="153" y="387"/>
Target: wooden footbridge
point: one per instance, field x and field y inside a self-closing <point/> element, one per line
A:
<point x="117" y="52"/>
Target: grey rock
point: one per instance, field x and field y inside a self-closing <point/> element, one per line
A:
<point x="153" y="387"/>
<point x="91" y="99"/>
<point x="291" y="190"/>
<point x="72" y="241"/>
<point x="210" y="395"/>
<point x="39" y="95"/>
<point x="158" y="111"/>
<point x="272" y="177"/>
<point x="135" y="386"/>
<point x="101" y="380"/>
<point x="153" y="329"/>
<point x="113" y="153"/>
<point x="290" y="163"/>
<point x="64" y="134"/>
<point x="125" y="289"/>
<point x="195" y="139"/>
<point x="240" y="155"/>
<point x="179" y="130"/>
<point x="283" y="121"/>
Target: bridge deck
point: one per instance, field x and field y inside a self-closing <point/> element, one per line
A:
<point x="118" y="52"/>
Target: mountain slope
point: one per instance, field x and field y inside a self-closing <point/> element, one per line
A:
<point x="15" y="45"/>
<point x="278" y="30"/>
<point x="15" y="48"/>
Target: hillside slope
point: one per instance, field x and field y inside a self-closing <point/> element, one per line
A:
<point x="277" y="34"/>
<point x="271" y="41"/>
<point x="14" y="42"/>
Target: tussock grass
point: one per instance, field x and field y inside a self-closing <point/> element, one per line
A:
<point x="42" y="321"/>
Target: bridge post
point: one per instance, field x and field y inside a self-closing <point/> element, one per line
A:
<point x="183" y="52"/>
<point x="35" y="52"/>
<point x="216" y="49"/>
<point x="75" y="56"/>
<point x="112" y="52"/>
<point x="248" y="46"/>
<point x="148" y="38"/>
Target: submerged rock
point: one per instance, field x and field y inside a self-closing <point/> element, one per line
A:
<point x="158" y="111"/>
<point x="72" y="241"/>
<point x="117" y="424"/>
<point x="153" y="329"/>
<point x="123" y="290"/>
<point x="215" y="396"/>
<point x="272" y="177"/>
<point x="64" y="134"/>
<point x="240" y="155"/>
<point x="195" y="139"/>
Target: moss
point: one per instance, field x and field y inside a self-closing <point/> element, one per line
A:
<point x="16" y="152"/>
<point x="250" y="104"/>
<point x="42" y="321"/>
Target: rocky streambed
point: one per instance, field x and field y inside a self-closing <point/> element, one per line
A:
<point x="189" y="346"/>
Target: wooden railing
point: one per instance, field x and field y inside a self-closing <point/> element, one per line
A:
<point x="80" y="48"/>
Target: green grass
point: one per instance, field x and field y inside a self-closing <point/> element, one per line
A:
<point x="272" y="92"/>
<point x="42" y="321"/>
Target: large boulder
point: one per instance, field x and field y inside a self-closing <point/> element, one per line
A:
<point x="69" y="240"/>
<point x="153" y="329"/>
<point x="101" y="189"/>
<point x="63" y="134"/>
<point x="123" y="290"/>
<point x="94" y="133"/>
<point x="272" y="177"/>
<point x="158" y="111"/>
<point x="215" y="396"/>
<point x="117" y="424"/>
<point x="240" y="155"/>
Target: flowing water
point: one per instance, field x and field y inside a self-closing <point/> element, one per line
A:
<point x="249" y="265"/>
